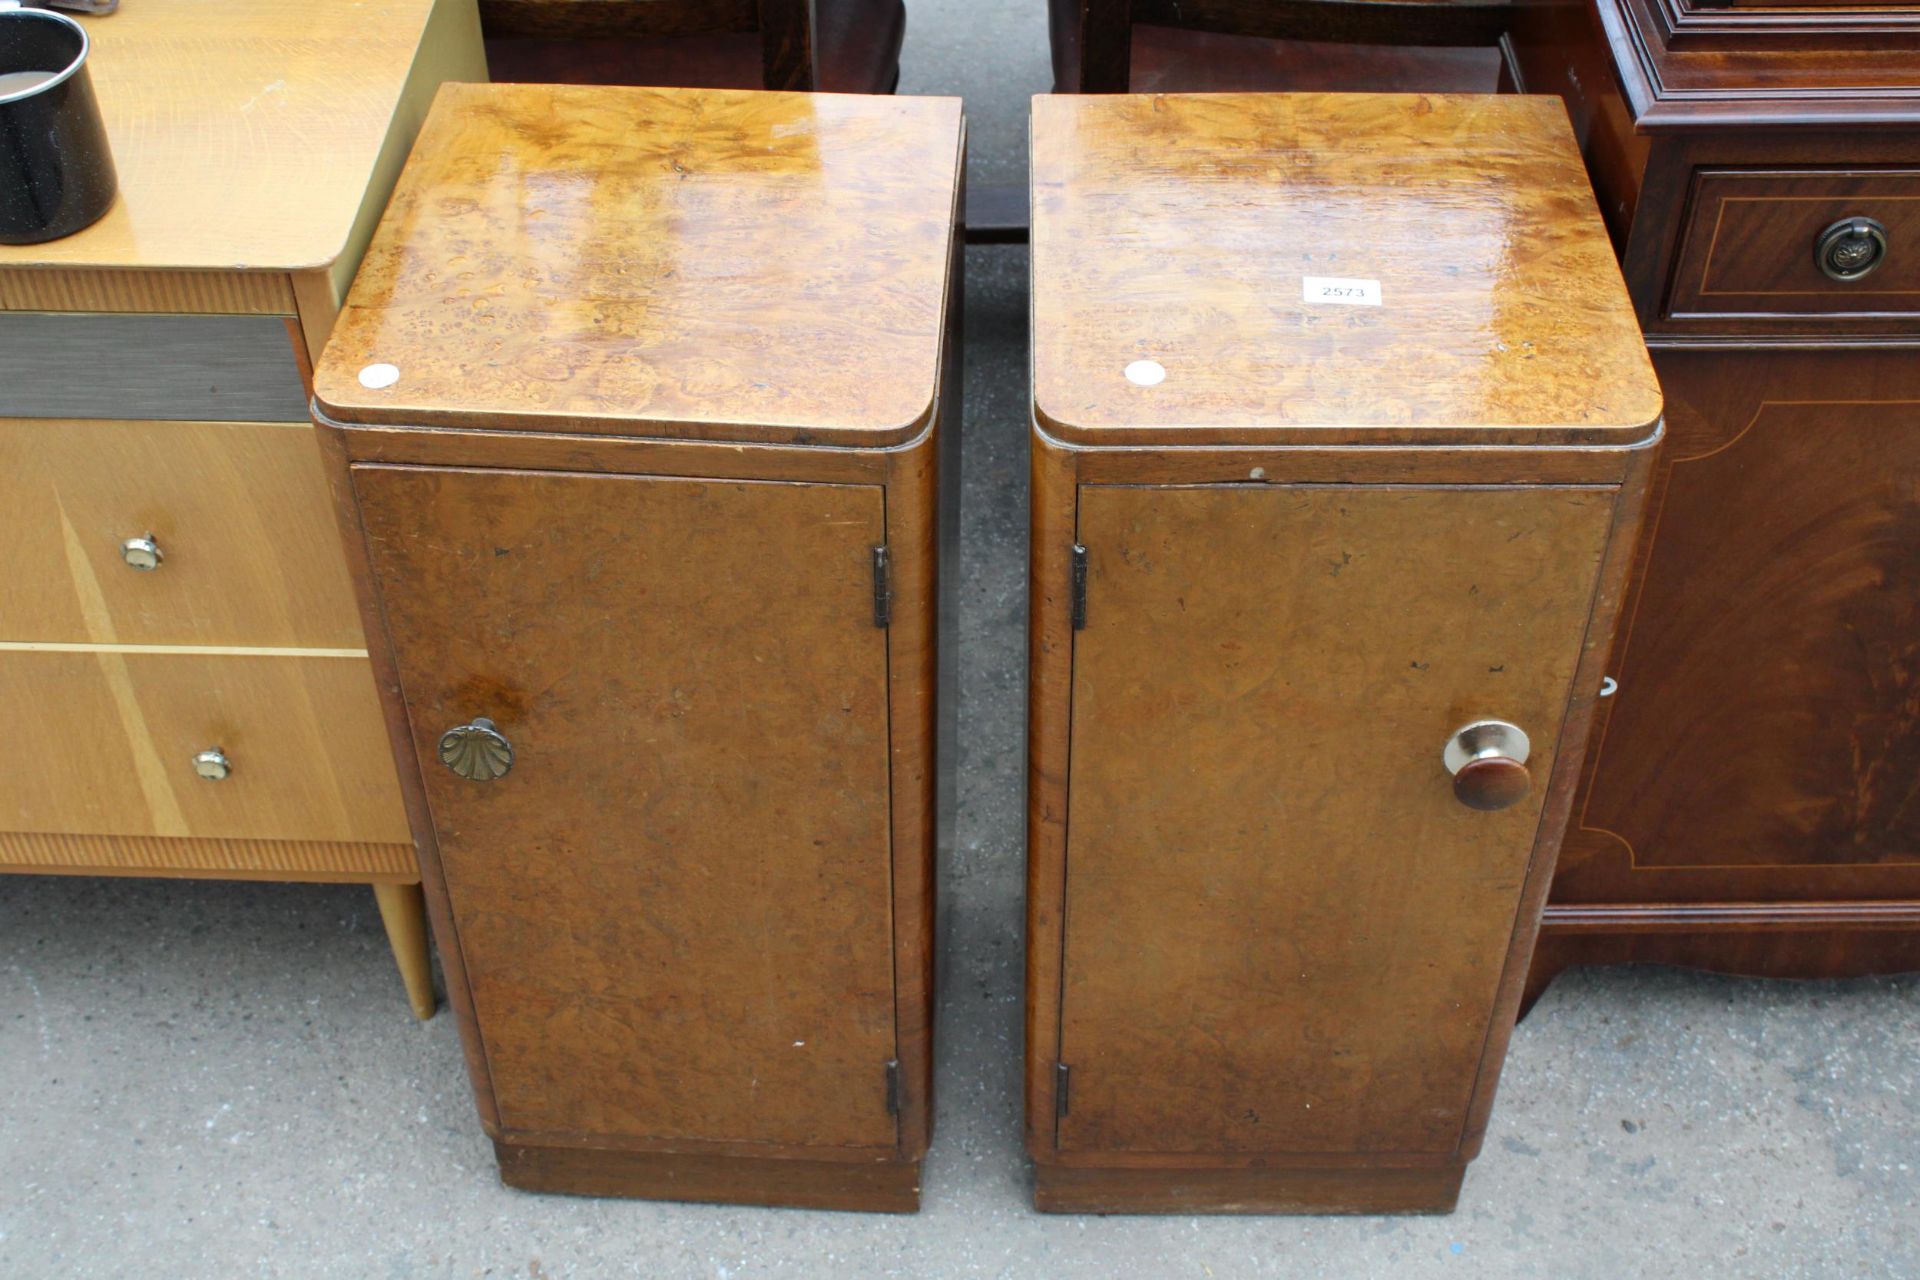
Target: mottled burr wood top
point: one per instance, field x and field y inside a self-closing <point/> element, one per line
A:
<point x="1180" y="243"/>
<point x="659" y="262"/>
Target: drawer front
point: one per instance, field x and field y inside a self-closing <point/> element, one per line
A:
<point x="249" y="552"/>
<point x="1751" y="248"/>
<point x="220" y="368"/>
<point x="1283" y="933"/>
<point x="103" y="743"/>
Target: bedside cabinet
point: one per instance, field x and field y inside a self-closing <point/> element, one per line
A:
<point x="179" y="642"/>
<point x="1749" y="801"/>
<point x="1341" y="423"/>
<point x="639" y="417"/>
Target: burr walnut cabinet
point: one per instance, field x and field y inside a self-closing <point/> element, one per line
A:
<point x="638" y="416"/>
<point x="1749" y="802"/>
<point x="1341" y="419"/>
<point x="179" y="647"/>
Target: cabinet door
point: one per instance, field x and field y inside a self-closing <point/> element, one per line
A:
<point x="674" y="909"/>
<point x="1764" y="744"/>
<point x="1283" y="933"/>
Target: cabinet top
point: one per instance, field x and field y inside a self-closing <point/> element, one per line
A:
<point x="244" y="132"/>
<point x="724" y="265"/>
<point x="1277" y="268"/>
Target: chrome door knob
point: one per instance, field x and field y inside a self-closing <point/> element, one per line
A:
<point x="476" y="751"/>
<point x="212" y="764"/>
<point x="1488" y="761"/>
<point x="142" y="553"/>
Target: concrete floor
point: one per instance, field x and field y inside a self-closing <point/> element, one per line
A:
<point x="223" y="1080"/>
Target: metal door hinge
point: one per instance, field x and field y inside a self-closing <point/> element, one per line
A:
<point x="1079" y="587"/>
<point x="1062" y="1077"/>
<point x="882" y="590"/>
<point x="893" y="1086"/>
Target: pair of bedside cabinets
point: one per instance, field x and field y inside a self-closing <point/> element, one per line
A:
<point x="642" y="420"/>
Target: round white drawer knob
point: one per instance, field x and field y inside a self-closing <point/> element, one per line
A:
<point x="142" y="553"/>
<point x="212" y="764"/>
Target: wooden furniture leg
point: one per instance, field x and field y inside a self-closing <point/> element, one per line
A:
<point x="403" y="909"/>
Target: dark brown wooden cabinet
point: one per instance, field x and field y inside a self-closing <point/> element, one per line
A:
<point x="1341" y="424"/>
<point x="637" y="436"/>
<point x="1749" y="803"/>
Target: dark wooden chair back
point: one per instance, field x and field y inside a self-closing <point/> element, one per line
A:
<point x="844" y="46"/>
<point x="1094" y="42"/>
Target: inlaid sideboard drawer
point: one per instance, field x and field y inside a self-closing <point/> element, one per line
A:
<point x="1807" y="249"/>
<point x="204" y="533"/>
<point x="111" y="742"/>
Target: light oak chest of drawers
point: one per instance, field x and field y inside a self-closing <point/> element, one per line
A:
<point x="179" y="644"/>
<point x="1342" y="422"/>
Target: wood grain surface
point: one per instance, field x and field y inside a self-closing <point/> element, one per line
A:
<point x="892" y="1187"/>
<point x="1284" y="933"/>
<point x="135" y="291"/>
<point x="240" y="511"/>
<point x="675" y="910"/>
<point x="1502" y="316"/>
<point x="1766" y="752"/>
<point x="713" y="264"/>
<point x="190" y="857"/>
<point x="1067" y="1189"/>
<point x="114" y="734"/>
<point x="245" y="132"/>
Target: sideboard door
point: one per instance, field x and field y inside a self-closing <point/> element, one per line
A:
<point x="674" y="908"/>
<point x="1283" y="932"/>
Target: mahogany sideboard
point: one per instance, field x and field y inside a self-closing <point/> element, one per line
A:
<point x="180" y="652"/>
<point x="1341" y="424"/>
<point x="1751" y="801"/>
<point x="638" y="416"/>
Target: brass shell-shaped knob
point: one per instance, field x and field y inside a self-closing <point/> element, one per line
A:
<point x="142" y="553"/>
<point x="1850" y="248"/>
<point x="476" y="751"/>
<point x="1488" y="761"/>
<point x="212" y="764"/>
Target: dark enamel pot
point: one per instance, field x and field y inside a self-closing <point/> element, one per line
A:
<point x="56" y="174"/>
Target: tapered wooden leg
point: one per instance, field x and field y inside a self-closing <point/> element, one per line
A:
<point x="403" y="909"/>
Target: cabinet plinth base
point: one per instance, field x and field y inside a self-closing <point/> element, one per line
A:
<point x="1753" y="940"/>
<point x="1065" y="1189"/>
<point x="881" y="1187"/>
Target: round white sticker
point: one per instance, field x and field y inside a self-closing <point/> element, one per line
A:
<point x="1146" y="373"/>
<point x="378" y="377"/>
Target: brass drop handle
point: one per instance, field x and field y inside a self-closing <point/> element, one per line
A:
<point x="476" y="751"/>
<point x="142" y="553"/>
<point x="1851" y="248"/>
<point x="212" y="764"/>
<point x="1488" y="761"/>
